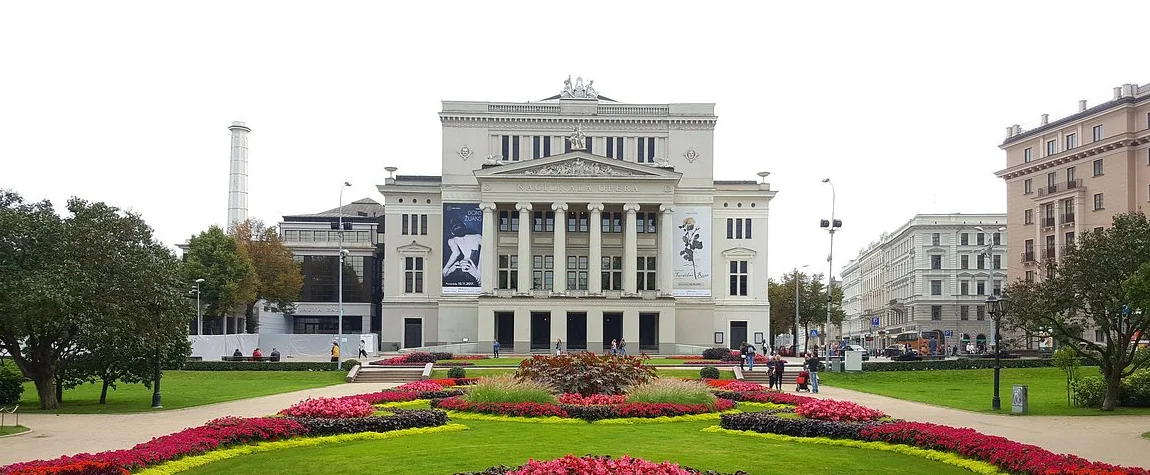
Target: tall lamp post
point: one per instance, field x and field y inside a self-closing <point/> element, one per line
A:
<point x="831" y="226"/>
<point x="339" y="272"/>
<point x="199" y="312"/>
<point x="795" y="335"/>
<point x="997" y="307"/>
<point x="156" y="376"/>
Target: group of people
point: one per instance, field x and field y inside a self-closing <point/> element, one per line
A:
<point x="258" y="355"/>
<point x="335" y="350"/>
<point x="776" y="368"/>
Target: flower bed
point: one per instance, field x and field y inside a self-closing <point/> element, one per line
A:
<point x="831" y="410"/>
<point x="420" y="358"/>
<point x="594" y="465"/>
<point x="769" y="423"/>
<point x="469" y="357"/>
<point x="578" y="411"/>
<point x="765" y="396"/>
<point x="330" y="408"/>
<point x="400" y="419"/>
<point x="420" y="386"/>
<point x="592" y="400"/>
<point x="521" y="409"/>
<point x="449" y="382"/>
<point x="734" y="385"/>
<point x="685" y="357"/>
<point x="79" y="468"/>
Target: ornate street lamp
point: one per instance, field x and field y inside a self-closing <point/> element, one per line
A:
<point x="831" y="225"/>
<point x="997" y="307"/>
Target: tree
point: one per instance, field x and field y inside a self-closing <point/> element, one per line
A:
<point x="1099" y="284"/>
<point x="229" y="279"/>
<point x="278" y="279"/>
<point x="812" y="302"/>
<point x="1066" y="360"/>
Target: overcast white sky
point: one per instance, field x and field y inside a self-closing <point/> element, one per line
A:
<point x="901" y="104"/>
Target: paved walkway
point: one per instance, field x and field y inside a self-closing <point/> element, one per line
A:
<point x="69" y="434"/>
<point x="1112" y="439"/>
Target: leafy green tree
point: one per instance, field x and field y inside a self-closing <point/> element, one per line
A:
<point x="229" y="278"/>
<point x="278" y="279"/>
<point x="812" y="302"/>
<point x="1067" y="360"/>
<point x="1100" y="284"/>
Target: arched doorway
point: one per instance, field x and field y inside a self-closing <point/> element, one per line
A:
<point x="980" y="343"/>
<point x="965" y="338"/>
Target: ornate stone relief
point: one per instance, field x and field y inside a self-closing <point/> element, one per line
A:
<point x="576" y="167"/>
<point x="691" y="154"/>
<point x="578" y="90"/>
<point x="465" y="153"/>
<point x="494" y="160"/>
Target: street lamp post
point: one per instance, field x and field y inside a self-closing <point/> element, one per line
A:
<point x="156" y="375"/>
<point x="997" y="307"/>
<point x="831" y="225"/>
<point x="795" y="336"/>
<point x="199" y="311"/>
<point x="339" y="272"/>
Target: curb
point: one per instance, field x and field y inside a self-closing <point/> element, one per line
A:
<point x="29" y="431"/>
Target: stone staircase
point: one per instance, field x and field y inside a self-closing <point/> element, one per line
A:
<point x="759" y="375"/>
<point x="375" y="374"/>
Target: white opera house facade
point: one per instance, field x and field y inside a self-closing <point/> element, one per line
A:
<point x="575" y="218"/>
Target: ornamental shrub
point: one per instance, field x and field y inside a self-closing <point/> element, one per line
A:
<point x="440" y="355"/>
<point x="11" y="384"/>
<point x="716" y="353"/>
<point x="674" y="391"/>
<point x="330" y="408"/>
<point x="421" y="357"/>
<point x="709" y="372"/>
<point x="506" y="389"/>
<point x="771" y="424"/>
<point x="1136" y="389"/>
<point x="1088" y="391"/>
<point x="586" y="373"/>
<point x="350" y="363"/>
<point x="456" y="372"/>
<point x="400" y="420"/>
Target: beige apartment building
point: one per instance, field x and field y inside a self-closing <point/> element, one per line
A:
<point x="1070" y="175"/>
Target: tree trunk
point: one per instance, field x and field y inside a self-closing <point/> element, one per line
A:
<point x="104" y="392"/>
<point x="60" y="389"/>
<point x="1113" y="385"/>
<point x="46" y="389"/>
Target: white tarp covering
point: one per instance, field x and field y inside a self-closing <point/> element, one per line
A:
<point x="309" y="347"/>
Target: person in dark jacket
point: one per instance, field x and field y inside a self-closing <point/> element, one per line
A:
<point x="812" y="365"/>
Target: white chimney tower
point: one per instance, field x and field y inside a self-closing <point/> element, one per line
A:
<point x="238" y="176"/>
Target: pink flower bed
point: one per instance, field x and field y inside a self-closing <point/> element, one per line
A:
<point x="388" y="396"/>
<point x="331" y="408"/>
<point x="572" y="465"/>
<point x="592" y="400"/>
<point x="420" y="386"/>
<point x="217" y="433"/>
<point x="520" y="409"/>
<point x="735" y="385"/>
<point x="469" y="357"/>
<point x="686" y="357"/>
<point x="648" y="409"/>
<point x="831" y="410"/>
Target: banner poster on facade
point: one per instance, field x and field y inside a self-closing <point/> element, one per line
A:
<point x="462" y="239"/>
<point x="692" y="268"/>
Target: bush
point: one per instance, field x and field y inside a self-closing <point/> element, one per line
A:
<point x="350" y="363"/>
<point x="420" y="357"/>
<point x="440" y="355"/>
<point x="400" y="420"/>
<point x="716" y="353"/>
<point x="961" y="363"/>
<point x="509" y="390"/>
<point x="709" y="372"/>
<point x="11" y="384"/>
<point x="771" y="424"/>
<point x="1136" y="389"/>
<point x="330" y="408"/>
<point x="258" y="366"/>
<point x="1089" y="391"/>
<point x="586" y="373"/>
<point x="456" y="372"/>
<point x="674" y="391"/>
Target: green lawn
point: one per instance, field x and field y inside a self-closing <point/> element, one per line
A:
<point x="9" y="430"/>
<point x="512" y="443"/>
<point x="185" y="389"/>
<point x="971" y="389"/>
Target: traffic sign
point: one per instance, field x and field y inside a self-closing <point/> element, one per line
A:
<point x="815" y="332"/>
<point x="947" y="333"/>
<point x="874" y="321"/>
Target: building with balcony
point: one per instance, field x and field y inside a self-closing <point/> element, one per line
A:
<point x="1072" y="174"/>
<point x="577" y="218"/>
<point x="932" y="276"/>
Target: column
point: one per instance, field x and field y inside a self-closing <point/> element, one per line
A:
<point x="524" y="247"/>
<point x="488" y="254"/>
<point x="630" y="249"/>
<point x="666" y="251"/>
<point x="560" y="251"/>
<point x="595" y="254"/>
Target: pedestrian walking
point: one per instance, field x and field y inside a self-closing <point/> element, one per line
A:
<point x="812" y="365"/>
<point x="749" y="355"/>
<point x="623" y="346"/>
<point x="614" y="347"/>
<point x="780" y="370"/>
<point x="363" y="348"/>
<point x="334" y="351"/>
<point x="558" y="346"/>
<point x="495" y="349"/>
<point x="743" y="356"/>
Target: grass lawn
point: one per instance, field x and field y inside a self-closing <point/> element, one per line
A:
<point x="1146" y="435"/>
<point x="9" y="430"/>
<point x="971" y="389"/>
<point x="512" y="443"/>
<point x="185" y="389"/>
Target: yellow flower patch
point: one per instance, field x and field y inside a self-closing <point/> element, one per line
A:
<point x="416" y="404"/>
<point x="472" y="416"/>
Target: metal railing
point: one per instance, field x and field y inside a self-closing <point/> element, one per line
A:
<point x="1048" y="222"/>
<point x="1068" y="218"/>
<point x="1028" y="256"/>
<point x="1060" y="187"/>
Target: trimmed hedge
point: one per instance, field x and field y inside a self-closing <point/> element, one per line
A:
<point x="771" y="424"/>
<point x="961" y="363"/>
<point x="259" y="366"/>
<point x="400" y="420"/>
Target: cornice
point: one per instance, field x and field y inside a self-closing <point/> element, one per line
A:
<point x="1126" y="140"/>
<point x="590" y="124"/>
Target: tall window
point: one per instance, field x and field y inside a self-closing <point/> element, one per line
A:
<point x="738" y="275"/>
<point x="980" y="287"/>
<point x="964" y="239"/>
<point x="981" y="239"/>
<point x="544" y="221"/>
<point x="1096" y="133"/>
<point x="1051" y="179"/>
<point x="1098" y="201"/>
<point x="413" y="224"/>
<point x="996" y="287"/>
<point x="614" y="147"/>
<point x="611" y="222"/>
<point x="996" y="238"/>
<point x="964" y="261"/>
<point x="964" y="288"/>
<point x="936" y="261"/>
<point x="645" y="222"/>
<point x="1071" y="141"/>
<point x="509" y="272"/>
<point x="935" y="239"/>
<point x="1029" y="276"/>
<point x="1071" y="174"/>
<point x="738" y="228"/>
<point x="612" y="273"/>
<point x="646" y="150"/>
<point x="577" y="222"/>
<point x="646" y="278"/>
<point x="1051" y="147"/>
<point x="509" y="145"/>
<point x="964" y="312"/>
<point x="1098" y="167"/>
<point x="980" y="311"/>
<point x="1027" y="216"/>
<point x="1027" y="186"/>
<point x="1027" y="155"/>
<point x="936" y="287"/>
<point x="936" y="312"/>
<point x="543" y="272"/>
<point x="413" y="275"/>
<point x="981" y="260"/>
<point x="997" y="264"/>
<point x="1070" y="239"/>
<point x="577" y="272"/>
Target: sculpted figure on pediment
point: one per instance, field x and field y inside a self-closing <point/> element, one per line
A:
<point x="577" y="167"/>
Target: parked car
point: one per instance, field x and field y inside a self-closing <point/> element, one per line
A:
<point x="893" y="351"/>
<point x="865" y="353"/>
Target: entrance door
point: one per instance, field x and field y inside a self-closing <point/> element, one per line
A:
<point x="649" y="332"/>
<point x="412" y="332"/>
<point x="576" y="331"/>
<point x="505" y="330"/>
<point x="540" y="330"/>
<point x="612" y="328"/>
<point x="738" y="334"/>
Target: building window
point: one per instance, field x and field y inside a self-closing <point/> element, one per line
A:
<point x="505" y="148"/>
<point x="645" y="222"/>
<point x="577" y="272"/>
<point x="544" y="221"/>
<point x="936" y="262"/>
<point x="981" y="260"/>
<point x="1029" y="276"/>
<point x="1027" y="155"/>
<point x="612" y="274"/>
<point x="423" y="224"/>
<point x="980" y="288"/>
<point x="1070" y="239"/>
<point x="964" y="312"/>
<point x="996" y="287"/>
<point x="1098" y="167"/>
<point x="413" y="224"/>
<point x="614" y="147"/>
<point x="1051" y="179"/>
<point x="1071" y="172"/>
<point x="577" y="222"/>
<point x="1097" y="201"/>
<point x="509" y="272"/>
<point x="535" y="150"/>
<point x="1051" y="147"/>
<point x="543" y="272"/>
<point x="406" y="228"/>
<point x="980" y="239"/>
<point x="964" y="261"/>
<point x="935" y="239"/>
<point x="964" y="288"/>
<point x="980" y="312"/>
<point x="1100" y="336"/>
<point x="1071" y="141"/>
<point x="738" y="228"/>
<point x="996" y="238"/>
<point x="291" y="235"/>
<point x="413" y="275"/>
<point x="646" y="278"/>
<point x="964" y="239"/>
<point x="936" y="312"/>
<point x="1027" y="186"/>
<point x="936" y="287"/>
<point x="738" y="274"/>
<point x="1028" y="216"/>
<point x="997" y="261"/>
<point x="611" y="222"/>
<point x="509" y="221"/>
<point x="1096" y="133"/>
<point x="646" y="150"/>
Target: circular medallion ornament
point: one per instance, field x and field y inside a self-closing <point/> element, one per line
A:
<point x="465" y="153"/>
<point x="691" y="154"/>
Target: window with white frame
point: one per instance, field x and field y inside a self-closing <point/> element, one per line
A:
<point x="646" y="150"/>
<point x="964" y="312"/>
<point x="1096" y="133"/>
<point x="614" y="147"/>
<point x="739" y="278"/>
<point x="508" y="221"/>
<point x="612" y="273"/>
<point x="542" y="272"/>
<point x="645" y="222"/>
<point x="645" y="270"/>
<point x="738" y="228"/>
<point x="577" y="222"/>
<point x="508" y="271"/>
<point x="577" y="272"/>
<point x="544" y="221"/>
<point x="413" y="275"/>
<point x="980" y="312"/>
<point x="936" y="287"/>
<point x="1098" y="201"/>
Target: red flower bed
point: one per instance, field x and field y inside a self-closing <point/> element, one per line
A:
<point x="831" y="410"/>
<point x="734" y="385"/>
<point x="521" y="409"/>
<point x="388" y="396"/>
<point x="1011" y="456"/>
<point x="765" y="396"/>
<point x="648" y="409"/>
<point x="469" y="357"/>
<point x="589" y="465"/>
<point x="418" y="359"/>
<point x="79" y="468"/>
<point x="685" y="357"/>
<point x="420" y="386"/>
<point x="331" y="408"/>
<point x="220" y="432"/>
<point x="448" y="382"/>
<point x="592" y="400"/>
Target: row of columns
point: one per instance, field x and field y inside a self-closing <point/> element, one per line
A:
<point x="489" y="253"/>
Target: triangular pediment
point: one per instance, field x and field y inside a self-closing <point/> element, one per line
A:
<point x="413" y="249"/>
<point x="738" y="253"/>
<point x="577" y="164"/>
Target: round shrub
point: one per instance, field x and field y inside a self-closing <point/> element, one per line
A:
<point x="350" y="363"/>
<point x="420" y="357"/>
<point x="1088" y="391"/>
<point x="716" y="353"/>
<point x="586" y="373"/>
<point x="456" y="372"/>
<point x="11" y="384"/>
<point x="709" y="372"/>
<point x="441" y="355"/>
<point x="1136" y="389"/>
